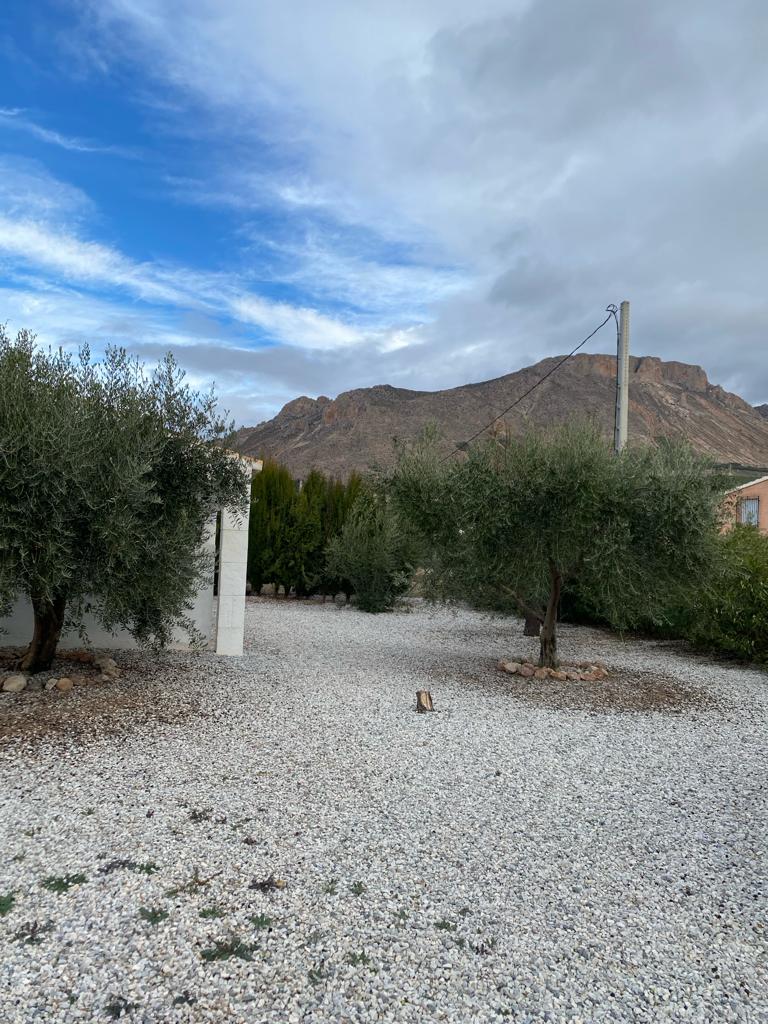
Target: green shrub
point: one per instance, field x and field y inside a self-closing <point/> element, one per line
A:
<point x="731" y="613"/>
<point x="375" y="551"/>
<point x="726" y="611"/>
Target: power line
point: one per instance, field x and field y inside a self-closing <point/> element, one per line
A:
<point x="611" y="310"/>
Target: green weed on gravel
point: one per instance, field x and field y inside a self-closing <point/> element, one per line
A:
<point x="152" y="915"/>
<point x="63" y="883"/>
<point x="6" y="903"/>
<point x="260" y="921"/>
<point x="225" y="949"/>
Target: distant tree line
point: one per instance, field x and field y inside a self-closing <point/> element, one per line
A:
<point x="291" y="527"/>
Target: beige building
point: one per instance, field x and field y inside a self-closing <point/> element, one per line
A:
<point x="748" y="504"/>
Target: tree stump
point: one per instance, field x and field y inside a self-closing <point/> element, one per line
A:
<point x="423" y="701"/>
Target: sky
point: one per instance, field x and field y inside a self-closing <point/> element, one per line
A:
<point x="303" y="198"/>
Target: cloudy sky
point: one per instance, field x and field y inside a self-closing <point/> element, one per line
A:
<point x="303" y="197"/>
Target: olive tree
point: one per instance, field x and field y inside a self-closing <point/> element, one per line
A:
<point x="109" y="477"/>
<point x="375" y="551"/>
<point x="514" y="521"/>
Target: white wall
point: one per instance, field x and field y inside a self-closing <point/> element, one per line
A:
<point x="220" y="619"/>
<point x="17" y="628"/>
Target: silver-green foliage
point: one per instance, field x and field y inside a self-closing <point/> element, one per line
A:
<point x="108" y="477"/>
<point x="514" y="522"/>
<point x="375" y="551"/>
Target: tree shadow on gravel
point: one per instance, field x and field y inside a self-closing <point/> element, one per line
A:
<point x="625" y="691"/>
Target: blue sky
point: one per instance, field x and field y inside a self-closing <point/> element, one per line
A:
<point x="305" y="198"/>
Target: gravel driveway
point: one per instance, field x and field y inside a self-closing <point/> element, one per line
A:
<point x="521" y="855"/>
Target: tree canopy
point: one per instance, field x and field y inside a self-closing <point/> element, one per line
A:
<point x="516" y="520"/>
<point x="109" y="476"/>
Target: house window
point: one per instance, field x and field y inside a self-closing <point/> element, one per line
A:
<point x="749" y="511"/>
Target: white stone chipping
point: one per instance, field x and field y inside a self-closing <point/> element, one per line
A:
<point x="499" y="860"/>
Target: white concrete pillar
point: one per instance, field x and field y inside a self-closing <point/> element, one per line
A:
<point x="233" y="566"/>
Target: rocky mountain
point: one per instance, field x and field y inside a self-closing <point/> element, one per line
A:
<point x="356" y="430"/>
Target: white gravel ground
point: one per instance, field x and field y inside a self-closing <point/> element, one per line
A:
<point x="496" y="861"/>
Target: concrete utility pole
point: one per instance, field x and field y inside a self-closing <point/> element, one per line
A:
<point x="622" y="379"/>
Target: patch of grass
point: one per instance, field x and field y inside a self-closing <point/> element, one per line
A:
<point x="32" y="933"/>
<point x="444" y="925"/>
<point x="208" y="912"/>
<point x="153" y="915"/>
<point x="147" y="868"/>
<point x="63" y="883"/>
<point x="465" y="912"/>
<point x="260" y="921"/>
<point x="401" y="917"/>
<point x="89" y="810"/>
<point x="195" y="884"/>
<point x="358" y="959"/>
<point x="226" y="949"/>
<point x="119" y="1006"/>
<point x="332" y="887"/>
<point x="6" y="903"/>
<point x="357" y="888"/>
<point x="201" y="814"/>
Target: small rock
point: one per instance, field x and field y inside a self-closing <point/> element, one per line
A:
<point x="51" y="684"/>
<point x="526" y="671"/>
<point x="540" y="673"/>
<point x="510" y="666"/>
<point x="64" y="685"/>
<point x="573" y="675"/>
<point x="559" y="674"/>
<point x="15" y="684"/>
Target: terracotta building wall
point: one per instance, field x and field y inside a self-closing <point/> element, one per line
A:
<point x="757" y="489"/>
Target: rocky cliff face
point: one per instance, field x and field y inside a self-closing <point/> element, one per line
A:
<point x="667" y="399"/>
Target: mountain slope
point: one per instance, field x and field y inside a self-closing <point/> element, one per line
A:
<point x="356" y="430"/>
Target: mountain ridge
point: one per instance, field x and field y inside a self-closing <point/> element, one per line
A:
<point x="667" y="399"/>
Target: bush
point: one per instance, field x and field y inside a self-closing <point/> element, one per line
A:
<point x="375" y="552"/>
<point x="731" y="613"/>
<point x="726" y="612"/>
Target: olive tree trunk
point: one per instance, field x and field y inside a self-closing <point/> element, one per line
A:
<point x="548" y="636"/>
<point x="49" y="620"/>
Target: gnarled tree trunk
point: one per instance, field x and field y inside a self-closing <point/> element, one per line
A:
<point x="548" y="653"/>
<point x="49" y="619"/>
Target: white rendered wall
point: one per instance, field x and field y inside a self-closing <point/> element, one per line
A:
<point x="17" y="628"/>
<point x="220" y="619"/>
<point x="233" y="566"/>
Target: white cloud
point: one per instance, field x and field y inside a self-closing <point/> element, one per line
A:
<point x="44" y="247"/>
<point x="16" y="118"/>
<point x="595" y="150"/>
